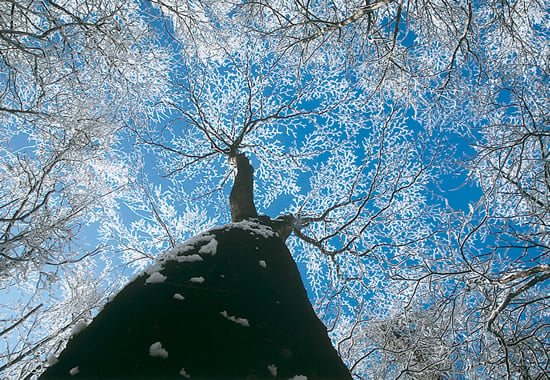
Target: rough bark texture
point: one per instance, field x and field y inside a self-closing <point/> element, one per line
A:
<point x="241" y="199"/>
<point x="249" y="318"/>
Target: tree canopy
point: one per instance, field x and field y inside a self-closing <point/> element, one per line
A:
<point x="409" y="139"/>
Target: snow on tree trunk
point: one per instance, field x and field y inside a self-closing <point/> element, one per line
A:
<point x="247" y="317"/>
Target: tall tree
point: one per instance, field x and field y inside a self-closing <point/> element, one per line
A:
<point x="356" y="116"/>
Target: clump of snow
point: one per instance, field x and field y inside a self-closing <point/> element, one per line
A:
<point x="253" y="227"/>
<point x="199" y="239"/>
<point x="156" y="267"/>
<point x="240" y="321"/>
<point x="178" y="253"/>
<point x="299" y="377"/>
<point x="190" y="244"/>
<point x="178" y="297"/>
<point x="74" y="371"/>
<point x="262" y="263"/>
<point x="197" y="280"/>
<point x="78" y="327"/>
<point x="209" y="248"/>
<point x="272" y="370"/>
<point x="155" y="278"/>
<point x="180" y="250"/>
<point x="52" y="360"/>
<point x="184" y="373"/>
<point x="156" y="350"/>
<point x="188" y="258"/>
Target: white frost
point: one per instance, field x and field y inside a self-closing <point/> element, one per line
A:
<point x="178" y="297"/>
<point x="272" y="370"/>
<point x="209" y="248"/>
<point x="184" y="373"/>
<point x="74" y="371"/>
<point x="262" y="263"/>
<point x="240" y="321"/>
<point x="155" y="278"/>
<point x="156" y="350"/>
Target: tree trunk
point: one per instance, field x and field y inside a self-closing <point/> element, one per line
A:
<point x="241" y="199"/>
<point x="228" y="304"/>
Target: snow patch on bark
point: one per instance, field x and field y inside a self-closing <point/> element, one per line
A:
<point x="253" y="227"/>
<point x="272" y="370"/>
<point x="52" y="360"/>
<point x="156" y="350"/>
<point x="188" y="259"/>
<point x="156" y="267"/>
<point x="240" y="321"/>
<point x="155" y="278"/>
<point x="184" y="373"/>
<point x="190" y="244"/>
<point x="209" y="248"/>
<point x="178" y="253"/>
<point x="74" y="371"/>
<point x="78" y="327"/>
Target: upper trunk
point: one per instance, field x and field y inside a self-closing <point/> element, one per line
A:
<point x="241" y="200"/>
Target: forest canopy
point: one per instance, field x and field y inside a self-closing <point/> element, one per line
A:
<point x="409" y="140"/>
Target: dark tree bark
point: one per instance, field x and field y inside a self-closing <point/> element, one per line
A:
<point x="241" y="199"/>
<point x="231" y="306"/>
